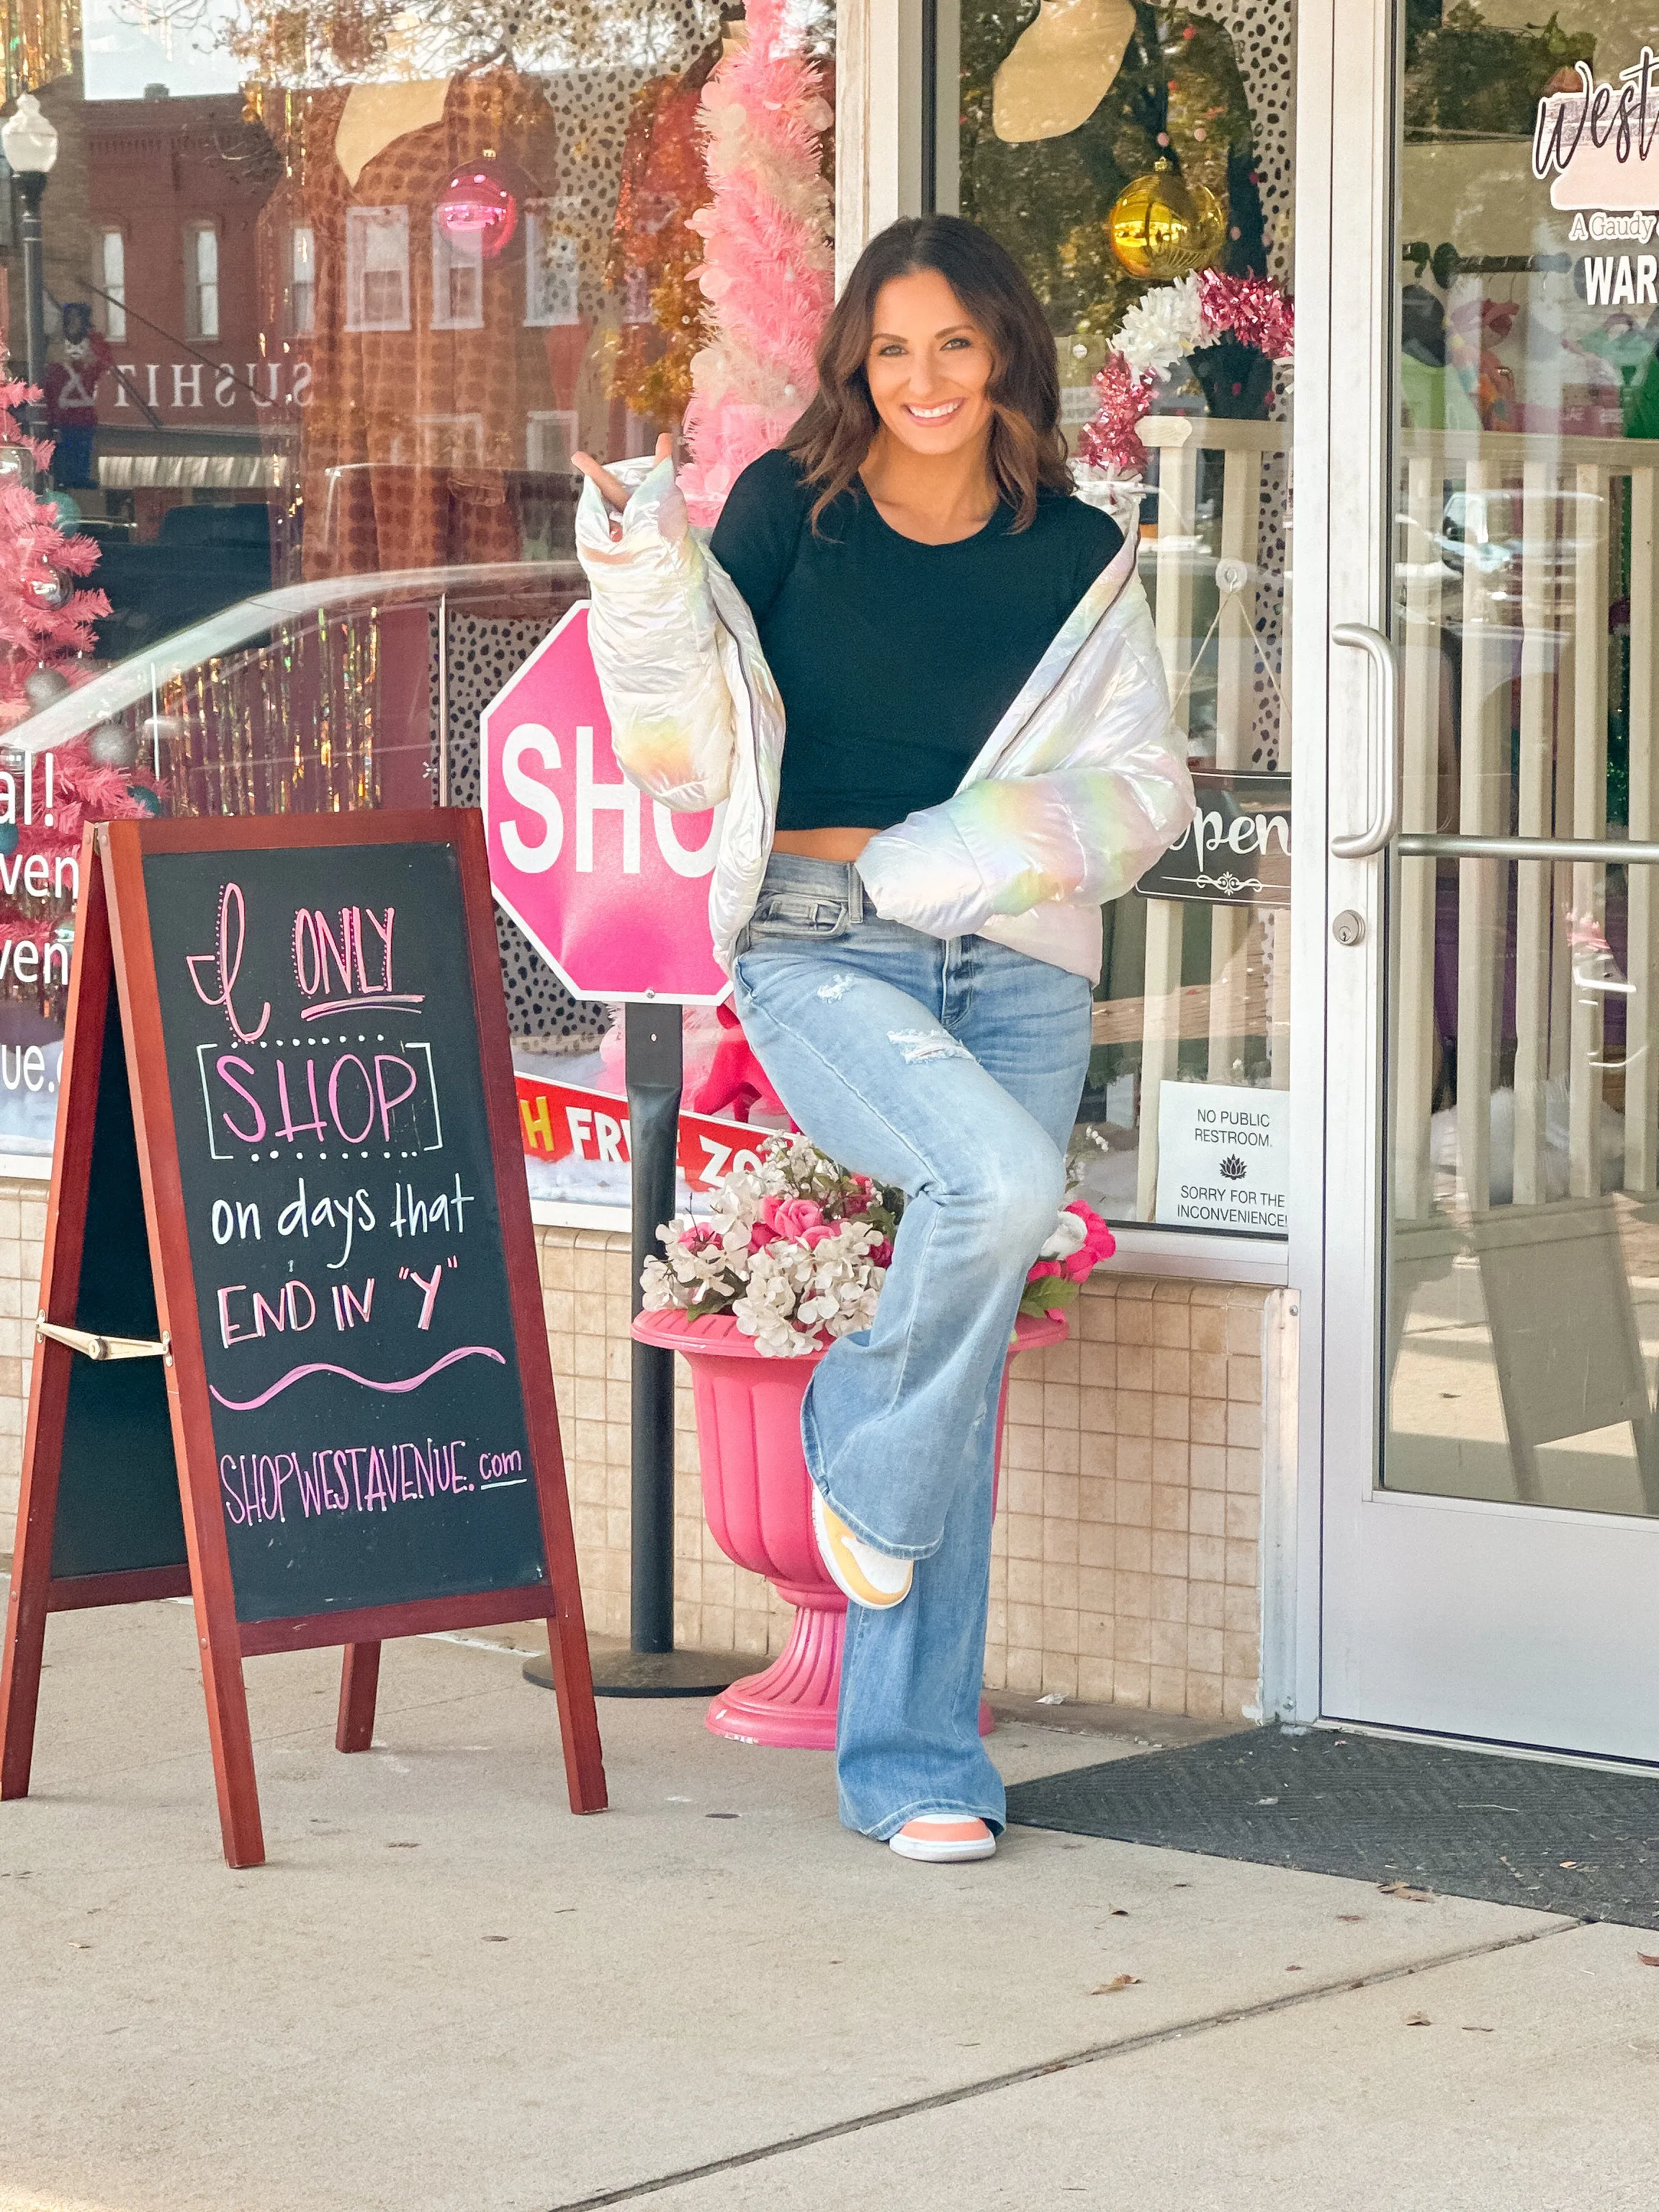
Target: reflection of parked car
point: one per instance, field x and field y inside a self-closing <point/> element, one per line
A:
<point x="474" y="514"/>
<point x="1485" y="531"/>
<point x="203" y="558"/>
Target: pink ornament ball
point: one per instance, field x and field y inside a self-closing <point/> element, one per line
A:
<point x="476" y="204"/>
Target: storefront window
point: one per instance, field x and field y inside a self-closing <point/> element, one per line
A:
<point x="1138" y="163"/>
<point x="349" y="288"/>
<point x="1525" y="1162"/>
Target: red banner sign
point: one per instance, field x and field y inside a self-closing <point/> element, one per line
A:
<point x="559" y="1122"/>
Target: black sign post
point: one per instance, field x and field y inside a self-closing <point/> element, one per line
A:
<point x="652" y="1035"/>
<point x="655" y="1068"/>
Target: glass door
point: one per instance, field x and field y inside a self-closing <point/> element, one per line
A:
<point x="1140" y="164"/>
<point x="1492" y="1318"/>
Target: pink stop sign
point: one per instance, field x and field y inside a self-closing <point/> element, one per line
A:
<point x="609" y="886"/>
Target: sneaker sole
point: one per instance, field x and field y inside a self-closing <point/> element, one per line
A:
<point x="911" y="1847"/>
<point x="878" y="1602"/>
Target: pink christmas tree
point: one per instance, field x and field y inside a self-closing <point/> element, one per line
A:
<point x="769" y="264"/>
<point x="45" y="620"/>
<point x="46" y="629"/>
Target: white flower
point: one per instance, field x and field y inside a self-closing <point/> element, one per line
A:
<point x="1162" y="327"/>
<point x="789" y="1296"/>
<point x="1069" y="1234"/>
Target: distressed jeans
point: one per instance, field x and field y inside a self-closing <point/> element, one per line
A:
<point x="953" y="1068"/>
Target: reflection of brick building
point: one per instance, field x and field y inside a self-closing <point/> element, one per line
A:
<point x="174" y="188"/>
<point x="64" y="211"/>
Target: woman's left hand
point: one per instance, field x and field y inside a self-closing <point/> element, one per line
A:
<point x="610" y="488"/>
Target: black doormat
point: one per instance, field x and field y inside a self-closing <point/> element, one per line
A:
<point x="1512" y="1831"/>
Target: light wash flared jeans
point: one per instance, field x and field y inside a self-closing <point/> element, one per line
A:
<point x="952" y="1068"/>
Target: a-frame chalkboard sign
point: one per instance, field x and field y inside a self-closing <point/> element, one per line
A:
<point x="290" y="1283"/>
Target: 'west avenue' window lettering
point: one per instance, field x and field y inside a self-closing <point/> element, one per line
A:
<point x="1628" y="119"/>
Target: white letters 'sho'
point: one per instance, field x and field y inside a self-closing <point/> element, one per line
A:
<point x="618" y="913"/>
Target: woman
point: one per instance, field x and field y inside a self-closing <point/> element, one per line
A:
<point x="908" y="895"/>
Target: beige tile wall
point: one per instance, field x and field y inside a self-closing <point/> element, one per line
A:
<point x="22" y="1229"/>
<point x="1126" y="1561"/>
<point x="1125" y="1564"/>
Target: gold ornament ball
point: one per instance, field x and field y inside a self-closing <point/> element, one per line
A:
<point x="1162" y="226"/>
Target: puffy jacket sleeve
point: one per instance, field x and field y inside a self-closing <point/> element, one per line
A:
<point x="1080" y="826"/>
<point x="659" y="646"/>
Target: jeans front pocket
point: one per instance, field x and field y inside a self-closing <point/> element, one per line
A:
<point x="799" y="914"/>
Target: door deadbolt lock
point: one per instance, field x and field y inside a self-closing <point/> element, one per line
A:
<point x="1349" y="927"/>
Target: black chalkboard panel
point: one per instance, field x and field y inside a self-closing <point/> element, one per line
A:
<point x="344" y="1231"/>
<point x="118" y="1495"/>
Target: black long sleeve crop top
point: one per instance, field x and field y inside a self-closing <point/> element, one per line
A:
<point x="895" y="659"/>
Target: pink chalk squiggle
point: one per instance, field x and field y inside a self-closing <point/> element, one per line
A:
<point x="324" y="1367"/>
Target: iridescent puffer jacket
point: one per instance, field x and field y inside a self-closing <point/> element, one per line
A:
<point x="1075" y="793"/>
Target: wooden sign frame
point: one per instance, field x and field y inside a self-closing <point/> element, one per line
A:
<point x="113" y="946"/>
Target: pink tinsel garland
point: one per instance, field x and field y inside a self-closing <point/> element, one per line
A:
<point x="1109" y="441"/>
<point x="1251" y="309"/>
<point x="768" y="267"/>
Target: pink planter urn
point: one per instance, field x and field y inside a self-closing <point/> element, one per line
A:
<point x="758" y="1496"/>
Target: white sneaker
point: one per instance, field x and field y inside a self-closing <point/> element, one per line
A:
<point x="939" y="1838"/>
<point x="860" y="1572"/>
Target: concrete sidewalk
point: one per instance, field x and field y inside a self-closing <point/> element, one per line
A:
<point x="443" y="1994"/>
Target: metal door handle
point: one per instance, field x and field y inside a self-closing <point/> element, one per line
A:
<point x="1386" y="824"/>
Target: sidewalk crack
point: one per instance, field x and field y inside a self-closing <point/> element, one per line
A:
<point x="1091" y="2055"/>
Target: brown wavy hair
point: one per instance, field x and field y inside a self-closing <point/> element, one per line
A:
<point x="1027" y="451"/>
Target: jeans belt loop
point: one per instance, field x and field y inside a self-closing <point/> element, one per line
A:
<point x="854" y="894"/>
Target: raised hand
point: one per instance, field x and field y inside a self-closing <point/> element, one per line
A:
<point x="613" y="493"/>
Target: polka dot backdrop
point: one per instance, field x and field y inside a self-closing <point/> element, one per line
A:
<point x="1263" y="33"/>
<point x="541" y="1013"/>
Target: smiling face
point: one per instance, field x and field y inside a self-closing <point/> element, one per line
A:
<point x="929" y="366"/>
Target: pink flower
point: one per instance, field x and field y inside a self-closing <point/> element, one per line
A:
<point x="800" y="1219"/>
<point x="1046" y="1267"/>
<point x="1098" y="1244"/>
<point x="861" y="1197"/>
<point x="881" y="1254"/>
<point x="698" y="1237"/>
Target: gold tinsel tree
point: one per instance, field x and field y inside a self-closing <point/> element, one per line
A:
<point x="42" y="40"/>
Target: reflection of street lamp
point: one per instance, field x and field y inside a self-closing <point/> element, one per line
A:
<point x="30" y="146"/>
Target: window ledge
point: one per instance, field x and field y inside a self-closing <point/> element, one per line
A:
<point x="1148" y="1251"/>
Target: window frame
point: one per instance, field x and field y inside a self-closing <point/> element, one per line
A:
<point x="362" y="223"/>
<point x="300" y="326"/>
<point x="450" y="256"/>
<point x="112" y="316"/>
<point x="198" y="287"/>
